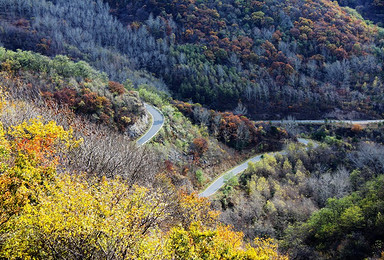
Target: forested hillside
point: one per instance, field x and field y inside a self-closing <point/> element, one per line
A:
<point x="74" y="185"/>
<point x="370" y="9"/>
<point x="76" y="78"/>
<point x="278" y="57"/>
<point x="31" y="76"/>
<point x="320" y="202"/>
<point x="48" y="215"/>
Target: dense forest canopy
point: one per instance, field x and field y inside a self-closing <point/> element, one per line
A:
<point x="278" y="57"/>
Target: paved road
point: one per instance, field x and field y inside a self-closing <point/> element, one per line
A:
<point x="320" y="122"/>
<point x="307" y="141"/>
<point x="157" y="124"/>
<point x="218" y="183"/>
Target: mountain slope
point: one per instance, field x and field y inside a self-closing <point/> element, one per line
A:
<point x="278" y="57"/>
<point x="31" y="76"/>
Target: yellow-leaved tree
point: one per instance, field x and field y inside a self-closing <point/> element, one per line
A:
<point x="29" y="154"/>
<point x="107" y="219"/>
<point x="199" y="242"/>
<point x="90" y="220"/>
<point x="199" y="235"/>
<point x="46" y="215"/>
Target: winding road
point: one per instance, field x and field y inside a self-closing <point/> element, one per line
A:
<point x="219" y="182"/>
<point x="157" y="124"/>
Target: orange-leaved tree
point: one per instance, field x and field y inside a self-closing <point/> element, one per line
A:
<point x="29" y="155"/>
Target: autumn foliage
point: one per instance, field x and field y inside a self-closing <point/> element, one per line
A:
<point x="198" y="147"/>
<point x="74" y="85"/>
<point x="29" y="155"/>
<point x="235" y="130"/>
<point x="47" y="213"/>
<point x="356" y="128"/>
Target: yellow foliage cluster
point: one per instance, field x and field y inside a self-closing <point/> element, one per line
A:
<point x="102" y="219"/>
<point x="198" y="242"/>
<point x="29" y="155"/>
<point x="44" y="215"/>
<point x="98" y="219"/>
<point x="194" y="208"/>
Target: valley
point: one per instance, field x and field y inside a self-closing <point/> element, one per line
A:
<point x="191" y="129"/>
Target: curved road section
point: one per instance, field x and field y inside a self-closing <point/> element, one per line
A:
<point x="217" y="184"/>
<point x="157" y="124"/>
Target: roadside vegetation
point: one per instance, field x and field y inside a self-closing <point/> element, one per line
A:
<point x="199" y="144"/>
<point x="319" y="201"/>
<point x="27" y="75"/>
<point x="78" y="190"/>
